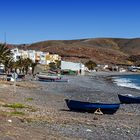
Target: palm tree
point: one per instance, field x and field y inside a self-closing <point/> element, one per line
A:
<point x="7" y="60"/>
<point x="27" y="63"/>
<point x="33" y="65"/>
<point x="19" y="65"/>
<point x="8" y="63"/>
<point x="24" y="64"/>
<point x="5" y="55"/>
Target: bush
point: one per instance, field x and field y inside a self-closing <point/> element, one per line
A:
<point x="15" y="105"/>
<point x="90" y="65"/>
<point x="52" y="66"/>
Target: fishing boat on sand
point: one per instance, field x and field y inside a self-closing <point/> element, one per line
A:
<point x="51" y="78"/>
<point x="129" y="99"/>
<point x="81" y="106"/>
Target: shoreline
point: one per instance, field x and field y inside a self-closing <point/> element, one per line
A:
<point x="112" y="77"/>
<point x="101" y="73"/>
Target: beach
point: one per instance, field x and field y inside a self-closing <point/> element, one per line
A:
<point x="46" y="116"/>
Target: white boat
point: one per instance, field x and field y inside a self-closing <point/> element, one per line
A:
<point x="51" y="78"/>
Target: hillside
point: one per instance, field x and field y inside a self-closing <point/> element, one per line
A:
<point x="100" y="50"/>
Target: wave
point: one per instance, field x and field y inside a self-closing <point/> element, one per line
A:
<point x="125" y="82"/>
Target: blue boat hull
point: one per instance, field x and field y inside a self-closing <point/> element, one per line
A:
<point x="91" y="107"/>
<point x="129" y="99"/>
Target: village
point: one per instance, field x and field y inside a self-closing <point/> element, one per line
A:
<point x="52" y="99"/>
<point x="53" y="63"/>
<point x="70" y="70"/>
<point x="43" y="61"/>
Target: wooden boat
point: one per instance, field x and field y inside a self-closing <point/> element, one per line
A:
<point x="53" y="80"/>
<point x="129" y="99"/>
<point x="48" y="77"/>
<point x="92" y="107"/>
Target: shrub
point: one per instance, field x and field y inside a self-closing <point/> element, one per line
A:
<point x="90" y="65"/>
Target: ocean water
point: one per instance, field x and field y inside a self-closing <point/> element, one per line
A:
<point x="130" y="81"/>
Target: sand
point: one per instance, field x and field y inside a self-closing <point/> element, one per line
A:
<point x="47" y="116"/>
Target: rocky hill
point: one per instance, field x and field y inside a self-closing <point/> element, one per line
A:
<point x="100" y="50"/>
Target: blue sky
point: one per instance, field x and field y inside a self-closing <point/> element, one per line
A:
<point x="27" y="21"/>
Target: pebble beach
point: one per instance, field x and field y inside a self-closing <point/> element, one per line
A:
<point x="46" y="115"/>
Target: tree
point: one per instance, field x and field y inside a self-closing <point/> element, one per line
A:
<point x="58" y="63"/>
<point x="90" y="65"/>
<point x="8" y="63"/>
<point x="5" y="56"/>
<point x="33" y="65"/>
<point x="24" y="64"/>
<point x="27" y="63"/>
<point x="19" y="64"/>
<point x="52" y="65"/>
<point x="6" y="59"/>
<point x="4" y="52"/>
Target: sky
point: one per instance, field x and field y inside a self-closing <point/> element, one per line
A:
<point x="28" y="21"/>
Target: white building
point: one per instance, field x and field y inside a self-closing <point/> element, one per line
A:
<point x="79" y="67"/>
<point x="16" y="54"/>
<point x="35" y="56"/>
<point x="32" y="55"/>
<point x="43" y="58"/>
<point x="1" y="68"/>
<point x="24" y="54"/>
<point x="38" y="55"/>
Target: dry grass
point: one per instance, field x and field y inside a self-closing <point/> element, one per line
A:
<point x="23" y="84"/>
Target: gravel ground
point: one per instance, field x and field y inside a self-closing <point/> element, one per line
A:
<point x="49" y="118"/>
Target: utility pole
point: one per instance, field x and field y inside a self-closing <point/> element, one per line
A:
<point x="5" y="38"/>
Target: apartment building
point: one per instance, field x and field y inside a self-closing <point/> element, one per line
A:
<point x="36" y="56"/>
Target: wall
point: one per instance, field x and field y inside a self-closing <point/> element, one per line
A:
<point x="73" y="66"/>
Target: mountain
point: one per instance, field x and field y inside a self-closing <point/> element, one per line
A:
<point x="100" y="50"/>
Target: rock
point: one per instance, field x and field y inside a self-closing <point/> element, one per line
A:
<point x="88" y="130"/>
<point x="95" y="118"/>
<point x="9" y="120"/>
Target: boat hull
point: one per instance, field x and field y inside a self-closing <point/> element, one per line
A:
<point x="91" y="107"/>
<point x="53" y="80"/>
<point x="128" y="99"/>
<point x="48" y="77"/>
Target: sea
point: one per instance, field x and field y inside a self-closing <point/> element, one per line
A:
<point x="130" y="81"/>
